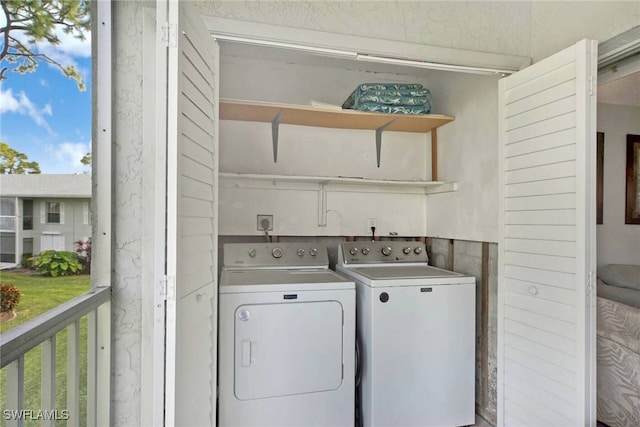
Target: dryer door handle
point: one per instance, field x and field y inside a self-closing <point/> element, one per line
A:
<point x="246" y="353"/>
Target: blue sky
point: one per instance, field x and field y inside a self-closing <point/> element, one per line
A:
<point x="44" y="115"/>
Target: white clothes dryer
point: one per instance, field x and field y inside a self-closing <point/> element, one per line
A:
<point x="416" y="329"/>
<point x="287" y="338"/>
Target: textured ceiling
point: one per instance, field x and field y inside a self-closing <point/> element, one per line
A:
<point x="623" y="91"/>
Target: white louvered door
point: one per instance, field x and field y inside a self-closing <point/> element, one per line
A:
<point x="546" y="337"/>
<point x="192" y="167"/>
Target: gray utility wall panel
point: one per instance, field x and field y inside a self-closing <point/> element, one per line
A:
<point x="467" y="259"/>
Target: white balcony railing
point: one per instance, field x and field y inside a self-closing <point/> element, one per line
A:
<point x="42" y="330"/>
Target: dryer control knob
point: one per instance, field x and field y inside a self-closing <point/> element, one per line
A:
<point x="313" y="252"/>
<point x="418" y="250"/>
<point x="300" y="252"/>
<point x="252" y="253"/>
<point x="407" y="250"/>
<point x="386" y="251"/>
<point x="353" y="251"/>
<point x="277" y="252"/>
<point x="365" y="251"/>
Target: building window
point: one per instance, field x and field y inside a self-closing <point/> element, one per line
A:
<point x="85" y="213"/>
<point x="7" y="214"/>
<point x="27" y="214"/>
<point x="27" y="245"/>
<point x="52" y="242"/>
<point x="53" y="212"/>
<point x="8" y="247"/>
<point x="27" y="250"/>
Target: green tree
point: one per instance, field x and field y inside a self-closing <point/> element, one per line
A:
<point x="15" y="162"/>
<point x="86" y="159"/>
<point x="31" y="21"/>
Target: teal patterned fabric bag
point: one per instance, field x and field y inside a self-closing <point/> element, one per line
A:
<point x="393" y="98"/>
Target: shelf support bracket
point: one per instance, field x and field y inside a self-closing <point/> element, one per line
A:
<point x="275" y="124"/>
<point x="379" y="140"/>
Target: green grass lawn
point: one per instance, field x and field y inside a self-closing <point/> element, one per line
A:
<point x="40" y="294"/>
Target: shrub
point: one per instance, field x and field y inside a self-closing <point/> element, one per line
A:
<point x="57" y="263"/>
<point x="83" y="249"/>
<point x="26" y="260"/>
<point x="9" y="298"/>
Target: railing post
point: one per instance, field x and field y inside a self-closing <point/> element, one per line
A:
<point x="99" y="366"/>
<point x="48" y="379"/>
<point x="73" y="374"/>
<point x="103" y="364"/>
<point x="91" y="367"/>
<point x="15" y="381"/>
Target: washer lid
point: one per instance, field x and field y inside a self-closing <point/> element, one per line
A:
<point x="268" y="280"/>
<point x="404" y="272"/>
<point x="404" y="275"/>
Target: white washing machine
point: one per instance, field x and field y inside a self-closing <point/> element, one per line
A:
<point x="416" y="327"/>
<point x="287" y="338"/>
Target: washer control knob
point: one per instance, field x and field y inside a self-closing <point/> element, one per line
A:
<point x="386" y="251"/>
<point x="418" y="250"/>
<point x="252" y="253"/>
<point x="313" y="252"/>
<point x="365" y="251"/>
<point x="300" y="252"/>
<point x="406" y="250"/>
<point x="353" y="251"/>
<point x="277" y="252"/>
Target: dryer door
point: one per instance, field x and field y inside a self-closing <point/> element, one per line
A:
<point x="286" y="349"/>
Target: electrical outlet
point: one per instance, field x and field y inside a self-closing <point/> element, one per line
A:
<point x="371" y="223"/>
<point x="265" y="222"/>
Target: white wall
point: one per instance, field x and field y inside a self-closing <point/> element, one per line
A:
<point x="556" y="25"/>
<point x="468" y="154"/>
<point x="618" y="243"/>
<point x="246" y="147"/>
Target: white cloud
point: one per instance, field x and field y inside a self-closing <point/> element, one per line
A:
<point x="73" y="46"/>
<point x="69" y="48"/>
<point x="64" y="53"/>
<point x="44" y="83"/>
<point x="68" y="155"/>
<point x="8" y="102"/>
<point x="21" y="104"/>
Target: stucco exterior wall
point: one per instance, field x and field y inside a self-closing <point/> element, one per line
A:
<point x="129" y="213"/>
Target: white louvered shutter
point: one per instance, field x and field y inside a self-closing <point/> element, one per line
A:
<point x="547" y="242"/>
<point x="192" y="166"/>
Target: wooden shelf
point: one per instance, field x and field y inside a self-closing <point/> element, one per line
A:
<point x="321" y="117"/>
<point x="430" y="187"/>
<point x="277" y="114"/>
